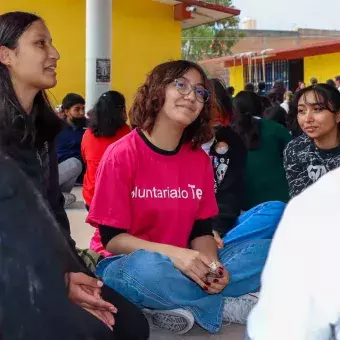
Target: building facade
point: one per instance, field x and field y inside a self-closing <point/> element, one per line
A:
<point x="319" y="60"/>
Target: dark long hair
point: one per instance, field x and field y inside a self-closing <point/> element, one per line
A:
<point x="247" y="105"/>
<point x="277" y="114"/>
<point x="327" y="97"/>
<point x="15" y="124"/>
<point x="150" y="98"/>
<point x="223" y="100"/>
<point x="108" y="115"/>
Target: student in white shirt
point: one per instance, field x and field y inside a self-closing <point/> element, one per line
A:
<point x="287" y="99"/>
<point x="300" y="296"/>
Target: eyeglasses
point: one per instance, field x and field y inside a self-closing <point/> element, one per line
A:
<point x="184" y="87"/>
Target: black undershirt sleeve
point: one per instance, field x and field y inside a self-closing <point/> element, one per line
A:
<point x="107" y="233"/>
<point x="201" y="228"/>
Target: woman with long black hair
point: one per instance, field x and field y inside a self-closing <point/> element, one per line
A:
<point x="316" y="109"/>
<point x="265" y="140"/>
<point x="28" y="128"/>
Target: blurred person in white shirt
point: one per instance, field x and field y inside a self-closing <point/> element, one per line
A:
<point x="300" y="296"/>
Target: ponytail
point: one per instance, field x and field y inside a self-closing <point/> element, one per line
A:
<point x="248" y="128"/>
<point x="248" y="105"/>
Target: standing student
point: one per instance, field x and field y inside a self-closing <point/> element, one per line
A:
<point x="317" y="151"/>
<point x="28" y="129"/>
<point x="286" y="101"/>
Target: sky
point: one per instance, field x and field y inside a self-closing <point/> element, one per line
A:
<point x="284" y="15"/>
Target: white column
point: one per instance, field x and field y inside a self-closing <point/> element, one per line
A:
<point x="98" y="49"/>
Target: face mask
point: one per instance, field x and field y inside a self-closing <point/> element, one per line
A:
<point x="79" y="122"/>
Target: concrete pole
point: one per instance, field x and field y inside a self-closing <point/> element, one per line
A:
<point x="98" y="49"/>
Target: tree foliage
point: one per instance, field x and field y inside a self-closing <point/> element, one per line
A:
<point x="213" y="40"/>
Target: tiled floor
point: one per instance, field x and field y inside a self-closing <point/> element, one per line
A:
<point x="82" y="232"/>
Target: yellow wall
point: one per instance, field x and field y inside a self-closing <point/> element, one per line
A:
<point x="236" y="78"/>
<point x="323" y="67"/>
<point x="144" y="35"/>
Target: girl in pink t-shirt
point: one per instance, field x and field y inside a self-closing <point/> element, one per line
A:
<point x="154" y="202"/>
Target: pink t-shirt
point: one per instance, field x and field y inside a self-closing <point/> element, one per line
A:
<point x="153" y="194"/>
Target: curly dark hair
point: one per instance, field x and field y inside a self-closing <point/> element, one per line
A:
<point x="150" y="99"/>
<point x="108" y="115"/>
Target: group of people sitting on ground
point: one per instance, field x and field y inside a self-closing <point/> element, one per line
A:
<point x="78" y="151"/>
<point x="184" y="206"/>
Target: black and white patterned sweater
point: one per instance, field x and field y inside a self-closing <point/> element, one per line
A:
<point x="304" y="163"/>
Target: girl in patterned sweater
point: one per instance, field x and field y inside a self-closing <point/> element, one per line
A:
<point x="317" y="151"/>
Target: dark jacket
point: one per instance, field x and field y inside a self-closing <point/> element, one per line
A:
<point x="69" y="140"/>
<point x="34" y="259"/>
<point x="36" y="157"/>
<point x="229" y="171"/>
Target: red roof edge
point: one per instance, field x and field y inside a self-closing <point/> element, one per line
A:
<point x="324" y="47"/>
<point x="218" y="8"/>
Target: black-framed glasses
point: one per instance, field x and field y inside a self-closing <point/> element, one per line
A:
<point x="184" y="87"/>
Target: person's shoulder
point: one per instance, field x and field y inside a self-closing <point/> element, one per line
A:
<point x="298" y="144"/>
<point x="194" y="155"/>
<point x="123" y="148"/>
<point x="271" y="124"/>
<point x="88" y="134"/>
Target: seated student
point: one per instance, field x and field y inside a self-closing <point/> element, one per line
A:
<point x="154" y="203"/>
<point x="229" y="157"/>
<point x="68" y="145"/>
<point x="300" y="298"/>
<point x="277" y="114"/>
<point x="313" y="154"/>
<point x="107" y="124"/>
<point x="265" y="140"/>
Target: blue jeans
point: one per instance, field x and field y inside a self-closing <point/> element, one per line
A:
<point x="150" y="280"/>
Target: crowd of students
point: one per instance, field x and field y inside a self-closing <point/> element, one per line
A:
<point x="184" y="203"/>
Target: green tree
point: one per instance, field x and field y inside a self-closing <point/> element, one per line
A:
<point x="214" y="39"/>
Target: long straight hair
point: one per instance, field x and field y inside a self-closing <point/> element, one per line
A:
<point x="15" y="124"/>
<point x="108" y="115"/>
<point x="247" y="105"/>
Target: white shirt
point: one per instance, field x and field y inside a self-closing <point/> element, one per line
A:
<point x="285" y="105"/>
<point x="206" y="147"/>
<point x="300" y="296"/>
